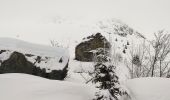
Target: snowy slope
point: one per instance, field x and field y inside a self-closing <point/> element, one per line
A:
<point x="28" y="87"/>
<point x="122" y="37"/>
<point x="124" y="40"/>
<point x="50" y="56"/>
<point x="149" y="88"/>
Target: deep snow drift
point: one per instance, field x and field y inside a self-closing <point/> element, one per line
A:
<point x="28" y="87"/>
<point x="149" y="88"/>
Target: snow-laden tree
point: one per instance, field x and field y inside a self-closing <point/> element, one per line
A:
<point x="106" y="78"/>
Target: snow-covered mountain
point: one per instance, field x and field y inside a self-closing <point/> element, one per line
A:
<point x="123" y="39"/>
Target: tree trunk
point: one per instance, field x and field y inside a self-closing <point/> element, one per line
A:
<point x="153" y="67"/>
<point x="160" y="68"/>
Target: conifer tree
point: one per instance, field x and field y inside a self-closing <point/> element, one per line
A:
<point x="105" y="77"/>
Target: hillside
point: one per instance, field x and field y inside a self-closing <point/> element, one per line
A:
<point x="123" y="39"/>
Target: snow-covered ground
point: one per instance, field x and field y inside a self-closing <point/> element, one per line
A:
<point x="28" y="87"/>
<point x="149" y="88"/>
<point x="79" y="72"/>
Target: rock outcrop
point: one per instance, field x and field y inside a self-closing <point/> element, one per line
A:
<point x="17" y="56"/>
<point x="83" y="50"/>
<point x="17" y="63"/>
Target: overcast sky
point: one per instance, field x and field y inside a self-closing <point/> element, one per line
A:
<point x="30" y="19"/>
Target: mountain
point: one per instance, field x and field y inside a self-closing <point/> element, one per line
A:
<point x="123" y="39"/>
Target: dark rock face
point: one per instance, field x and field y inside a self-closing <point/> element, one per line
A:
<point x="82" y="50"/>
<point x="17" y="63"/>
<point x="2" y="51"/>
<point x="55" y="74"/>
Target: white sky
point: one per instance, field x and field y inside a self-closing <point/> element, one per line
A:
<point x="30" y="19"/>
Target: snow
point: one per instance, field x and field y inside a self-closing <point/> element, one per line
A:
<point x="50" y="56"/>
<point x="30" y="48"/>
<point x="28" y="87"/>
<point x="149" y="88"/>
<point x="128" y="42"/>
<point x="79" y="71"/>
<point x="5" y="55"/>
